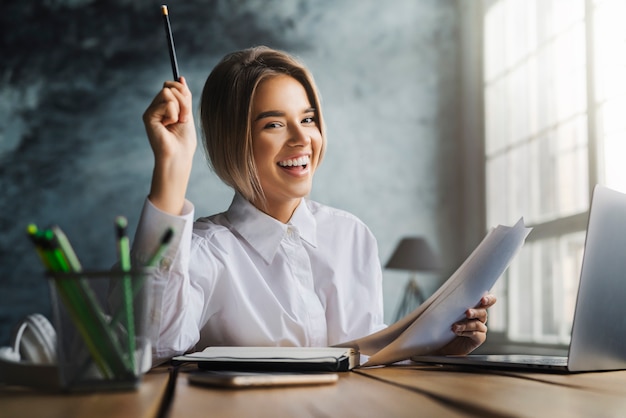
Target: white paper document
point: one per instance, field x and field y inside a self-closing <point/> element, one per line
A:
<point x="428" y="327"/>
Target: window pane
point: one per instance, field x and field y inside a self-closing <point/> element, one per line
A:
<point x="520" y="30"/>
<point x="609" y="38"/>
<point x="521" y="302"/>
<point x="519" y="184"/>
<point x="565" y="13"/>
<point x="496" y="128"/>
<point x="610" y="66"/>
<point x="520" y="116"/>
<point x="546" y="163"/>
<point x="497" y="175"/>
<point x="614" y="161"/>
<point x="493" y="44"/>
<point x="546" y="88"/>
<point x="543" y="283"/>
<point x="571" y="259"/>
<point x="571" y="167"/>
<point x="570" y="72"/>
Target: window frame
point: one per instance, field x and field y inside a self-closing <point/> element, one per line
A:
<point x="473" y="145"/>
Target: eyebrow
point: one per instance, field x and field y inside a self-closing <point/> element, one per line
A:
<point x="277" y="113"/>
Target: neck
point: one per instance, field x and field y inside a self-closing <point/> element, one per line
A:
<point x="281" y="211"/>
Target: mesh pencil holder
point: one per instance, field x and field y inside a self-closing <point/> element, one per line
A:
<point x="102" y="319"/>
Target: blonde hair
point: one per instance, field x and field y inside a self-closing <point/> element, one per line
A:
<point x="225" y="108"/>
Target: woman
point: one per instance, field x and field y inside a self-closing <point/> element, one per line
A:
<point x="275" y="268"/>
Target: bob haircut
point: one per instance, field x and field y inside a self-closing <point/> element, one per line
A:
<point x="225" y="113"/>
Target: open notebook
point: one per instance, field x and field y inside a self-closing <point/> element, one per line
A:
<point x="331" y="359"/>
<point x="598" y="340"/>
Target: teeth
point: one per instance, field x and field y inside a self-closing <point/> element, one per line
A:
<point x="295" y="162"/>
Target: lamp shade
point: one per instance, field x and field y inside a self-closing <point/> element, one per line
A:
<point x="414" y="254"/>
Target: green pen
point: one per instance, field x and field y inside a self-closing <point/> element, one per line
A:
<point x="152" y="262"/>
<point x="123" y="249"/>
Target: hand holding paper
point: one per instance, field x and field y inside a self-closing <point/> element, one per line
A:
<point x="427" y="328"/>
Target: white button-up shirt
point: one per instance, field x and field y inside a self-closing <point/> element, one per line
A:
<point x="243" y="278"/>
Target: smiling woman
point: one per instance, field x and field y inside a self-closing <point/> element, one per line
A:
<point x="276" y="269"/>
<point x="69" y="155"/>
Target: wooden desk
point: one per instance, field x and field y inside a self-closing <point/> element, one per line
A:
<point x="354" y="395"/>
<point x="410" y="391"/>
<point x="485" y="393"/>
<point x="144" y="402"/>
<point x="405" y="391"/>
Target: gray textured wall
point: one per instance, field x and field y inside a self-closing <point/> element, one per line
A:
<point x="76" y="75"/>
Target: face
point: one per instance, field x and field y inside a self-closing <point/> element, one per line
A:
<point x="286" y="143"/>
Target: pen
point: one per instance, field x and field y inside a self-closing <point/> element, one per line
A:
<point x="170" y="42"/>
<point x="152" y="262"/>
<point x="123" y="248"/>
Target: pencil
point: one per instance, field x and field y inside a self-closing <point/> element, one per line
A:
<point x="170" y="42"/>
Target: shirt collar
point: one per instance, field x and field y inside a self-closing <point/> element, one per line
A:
<point x="265" y="233"/>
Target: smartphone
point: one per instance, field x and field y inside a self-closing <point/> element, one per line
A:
<point x="233" y="379"/>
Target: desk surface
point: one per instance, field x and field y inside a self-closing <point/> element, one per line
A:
<point x="409" y="391"/>
<point x="354" y="394"/>
<point x="143" y="402"/>
<point x="405" y="391"/>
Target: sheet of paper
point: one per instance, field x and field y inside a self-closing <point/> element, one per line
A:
<point x="371" y="344"/>
<point x="429" y="326"/>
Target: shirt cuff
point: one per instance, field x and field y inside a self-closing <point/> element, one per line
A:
<point x="152" y="225"/>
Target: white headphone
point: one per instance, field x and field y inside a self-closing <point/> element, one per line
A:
<point x="31" y="358"/>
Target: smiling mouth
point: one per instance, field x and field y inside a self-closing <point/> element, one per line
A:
<point x="295" y="163"/>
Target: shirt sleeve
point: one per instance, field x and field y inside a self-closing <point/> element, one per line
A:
<point x="173" y="323"/>
<point x="153" y="223"/>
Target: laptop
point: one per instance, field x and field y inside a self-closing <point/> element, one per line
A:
<point x="598" y="338"/>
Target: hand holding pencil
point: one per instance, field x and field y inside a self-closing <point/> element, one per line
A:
<point x="172" y="134"/>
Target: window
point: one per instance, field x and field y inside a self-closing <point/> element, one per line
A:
<point x="554" y="86"/>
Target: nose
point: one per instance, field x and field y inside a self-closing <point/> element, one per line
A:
<point x="298" y="136"/>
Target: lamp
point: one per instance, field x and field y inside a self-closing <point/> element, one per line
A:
<point x="413" y="254"/>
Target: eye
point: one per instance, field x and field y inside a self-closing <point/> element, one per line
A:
<point x="309" y="120"/>
<point x="273" y="125"/>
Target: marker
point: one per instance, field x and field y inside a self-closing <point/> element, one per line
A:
<point x="170" y="42"/>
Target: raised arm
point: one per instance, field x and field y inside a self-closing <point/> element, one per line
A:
<point x="172" y="135"/>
